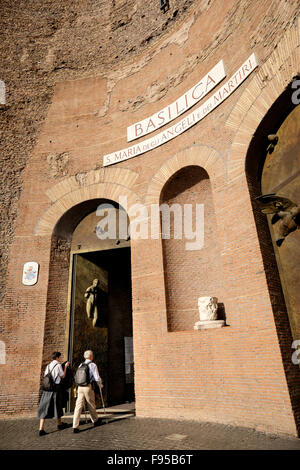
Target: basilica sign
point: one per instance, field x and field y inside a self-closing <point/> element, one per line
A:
<point x="182" y="104"/>
<point x="190" y="120"/>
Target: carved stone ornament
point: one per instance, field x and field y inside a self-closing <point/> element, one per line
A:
<point x="208" y="307"/>
<point x="286" y="214"/>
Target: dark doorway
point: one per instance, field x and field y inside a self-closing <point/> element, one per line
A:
<point x="111" y="337"/>
<point x="275" y="169"/>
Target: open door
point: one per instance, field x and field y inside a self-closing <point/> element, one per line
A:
<point x="110" y="337"/>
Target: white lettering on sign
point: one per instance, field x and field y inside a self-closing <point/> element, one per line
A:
<point x="190" y="120"/>
<point x="182" y="104"/>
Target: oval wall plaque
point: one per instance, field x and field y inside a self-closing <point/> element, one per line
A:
<point x="30" y="273"/>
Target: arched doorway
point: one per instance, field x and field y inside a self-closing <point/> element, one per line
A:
<point x="281" y="176"/>
<point x="273" y="167"/>
<point x="83" y="251"/>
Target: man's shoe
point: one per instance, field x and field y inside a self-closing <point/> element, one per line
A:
<point x="42" y="433"/>
<point x="63" y="426"/>
<point x="98" y="422"/>
<point x="75" y="430"/>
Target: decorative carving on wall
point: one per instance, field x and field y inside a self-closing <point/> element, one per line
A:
<point x="286" y="214"/>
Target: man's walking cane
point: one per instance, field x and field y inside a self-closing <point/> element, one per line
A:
<point x="100" y="388"/>
<point x="86" y="420"/>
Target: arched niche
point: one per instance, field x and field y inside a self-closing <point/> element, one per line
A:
<point x="190" y="274"/>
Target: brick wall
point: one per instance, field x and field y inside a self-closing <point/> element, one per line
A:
<point x="56" y="326"/>
<point x="240" y="374"/>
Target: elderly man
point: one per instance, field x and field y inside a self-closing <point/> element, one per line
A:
<point x="86" y="376"/>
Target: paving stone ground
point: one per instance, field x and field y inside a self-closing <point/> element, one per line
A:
<point x="139" y="434"/>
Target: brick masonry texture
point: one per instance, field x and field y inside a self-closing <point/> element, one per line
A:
<point x="239" y="375"/>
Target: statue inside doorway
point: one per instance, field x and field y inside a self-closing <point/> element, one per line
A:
<point x="92" y="294"/>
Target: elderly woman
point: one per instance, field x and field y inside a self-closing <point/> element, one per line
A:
<point x="51" y="401"/>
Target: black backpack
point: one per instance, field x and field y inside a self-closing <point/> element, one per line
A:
<point x="48" y="382"/>
<point x="82" y="376"/>
<point x="67" y="381"/>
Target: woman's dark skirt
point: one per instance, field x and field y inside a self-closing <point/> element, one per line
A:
<point x="51" y="404"/>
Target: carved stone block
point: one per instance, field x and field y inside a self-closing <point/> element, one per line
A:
<point x="208" y="307"/>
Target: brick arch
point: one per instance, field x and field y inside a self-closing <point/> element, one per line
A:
<point x="103" y="190"/>
<point x="264" y="89"/>
<point x="121" y="176"/>
<point x="199" y="155"/>
<point x="212" y="162"/>
<point x="66" y="195"/>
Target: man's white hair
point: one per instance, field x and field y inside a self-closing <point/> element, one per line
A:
<point x="88" y="354"/>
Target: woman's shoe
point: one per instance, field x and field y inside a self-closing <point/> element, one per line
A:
<point x="98" y="422"/>
<point x="62" y="426"/>
<point x="42" y="433"/>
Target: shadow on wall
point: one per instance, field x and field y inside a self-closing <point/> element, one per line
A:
<point x="222" y="312"/>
